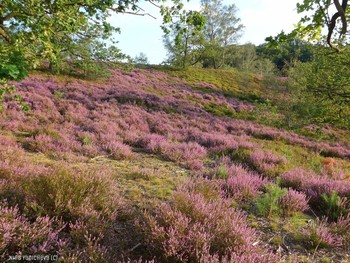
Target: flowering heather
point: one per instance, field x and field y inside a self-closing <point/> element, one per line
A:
<point x="341" y="228"/>
<point x="243" y="185"/>
<point x="190" y="229"/>
<point x="152" y="142"/>
<point x="266" y="161"/>
<point x="181" y="152"/>
<point x="218" y="142"/>
<point x="7" y="142"/>
<point x="118" y="150"/>
<point x="326" y="196"/>
<point x="313" y="185"/>
<point x="134" y="114"/>
<point x="20" y="236"/>
<point x="318" y="235"/>
<point x="132" y="107"/>
<point x="293" y="201"/>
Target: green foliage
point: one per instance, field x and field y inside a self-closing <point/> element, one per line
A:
<point x="184" y="39"/>
<point x="8" y="91"/>
<point x="13" y="66"/>
<point x="320" y="89"/>
<point x="222" y="29"/>
<point x="221" y="173"/>
<point x="219" y="110"/>
<point x="268" y="204"/>
<point x="286" y="53"/>
<point x="333" y="206"/>
<point x="141" y="59"/>
<point x="320" y="14"/>
<point x="55" y="33"/>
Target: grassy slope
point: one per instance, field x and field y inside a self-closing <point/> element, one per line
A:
<point x="147" y="177"/>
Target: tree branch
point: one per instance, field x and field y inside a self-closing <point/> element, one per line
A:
<point x="4" y="34"/>
<point x="340" y="13"/>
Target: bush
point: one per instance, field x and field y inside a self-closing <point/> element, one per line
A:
<point x="333" y="206"/>
<point x="318" y="235"/>
<point x="191" y="229"/>
<point x="21" y="236"/>
<point x="118" y="150"/>
<point x="88" y="195"/>
<point x="341" y="228"/>
<point x="244" y="186"/>
<point x="326" y="196"/>
<point x="293" y="201"/>
<point x="266" y="162"/>
<point x="269" y="204"/>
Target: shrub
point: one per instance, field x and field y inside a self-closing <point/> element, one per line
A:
<point x="341" y="228"/>
<point x="181" y="152"/>
<point x="84" y="247"/>
<point x="266" y="162"/>
<point x="293" y="201"/>
<point x="269" y="204"/>
<point x="191" y="229"/>
<point x="333" y="206"/>
<point x="317" y="235"/>
<point x="89" y="195"/>
<point x="118" y="150"/>
<point x="21" y="236"/>
<point x="327" y="196"/>
<point x="244" y="186"/>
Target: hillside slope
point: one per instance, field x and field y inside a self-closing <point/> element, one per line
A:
<point x="166" y="166"/>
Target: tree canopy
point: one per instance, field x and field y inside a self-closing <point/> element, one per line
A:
<point x="321" y="14"/>
<point x="33" y="30"/>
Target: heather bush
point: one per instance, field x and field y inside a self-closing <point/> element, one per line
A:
<point x="195" y="166"/>
<point x="326" y="196"/>
<point x="84" y="247"/>
<point x="317" y="235"/>
<point x="16" y="166"/>
<point x="244" y="186"/>
<point x="266" y="161"/>
<point x="118" y="150"/>
<point x="19" y="235"/>
<point x="181" y="152"/>
<point x="12" y="193"/>
<point x="89" y="195"/>
<point x="152" y="142"/>
<point x="191" y="229"/>
<point x="292" y="202"/>
<point x="341" y="228"/>
<point x="7" y="142"/>
<point x="295" y="178"/>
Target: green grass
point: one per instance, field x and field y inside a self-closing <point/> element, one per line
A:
<point x="147" y="178"/>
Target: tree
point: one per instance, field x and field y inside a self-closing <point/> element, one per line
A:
<point x="38" y="29"/>
<point x="141" y="59"/>
<point x="222" y="29"/>
<point x="32" y="31"/>
<point x="320" y="88"/>
<point x="284" y="54"/>
<point x="184" y="39"/>
<point x="320" y="14"/>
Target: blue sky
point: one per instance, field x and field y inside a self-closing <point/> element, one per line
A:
<point x="261" y="18"/>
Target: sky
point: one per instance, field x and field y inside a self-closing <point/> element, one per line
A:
<point x="261" y="18"/>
